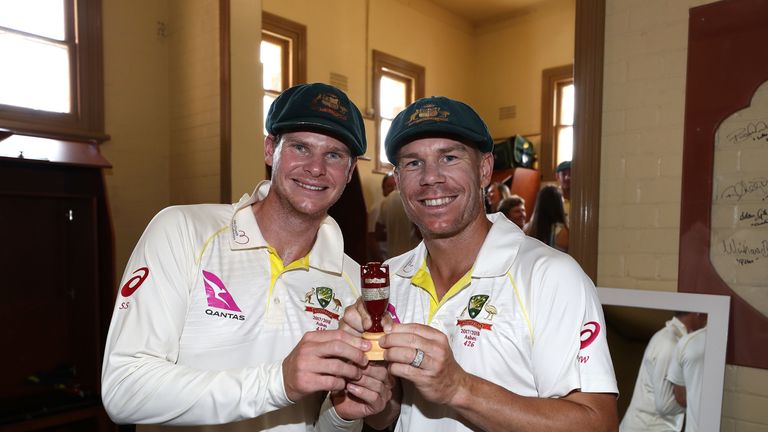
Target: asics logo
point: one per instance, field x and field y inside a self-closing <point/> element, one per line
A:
<point x="132" y="284"/>
<point x="589" y="333"/>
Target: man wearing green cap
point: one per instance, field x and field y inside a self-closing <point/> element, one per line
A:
<point x="230" y="312"/>
<point x="499" y="331"/>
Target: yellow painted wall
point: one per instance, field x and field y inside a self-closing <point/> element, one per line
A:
<point x="162" y="108"/>
<point x="192" y="36"/>
<point x="510" y="58"/>
<point x="421" y="33"/>
<point x="418" y="32"/>
<point x="247" y="162"/>
<point x="641" y="171"/>
<point x="136" y="101"/>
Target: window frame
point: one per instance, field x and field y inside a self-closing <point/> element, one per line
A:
<point x="85" y="122"/>
<point x="552" y="81"/>
<point x="285" y="44"/>
<point x="396" y="68"/>
<point x="288" y="33"/>
<point x="559" y="125"/>
<point x="293" y="35"/>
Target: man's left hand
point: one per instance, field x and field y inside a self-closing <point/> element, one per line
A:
<point x="436" y="374"/>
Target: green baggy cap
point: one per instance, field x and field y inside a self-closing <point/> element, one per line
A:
<point x="437" y="116"/>
<point x="319" y="108"/>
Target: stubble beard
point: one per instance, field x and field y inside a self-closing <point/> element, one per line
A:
<point x="464" y="220"/>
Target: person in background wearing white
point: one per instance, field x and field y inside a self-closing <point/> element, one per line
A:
<point x="653" y="407"/>
<point x="686" y="373"/>
<point x="377" y="247"/>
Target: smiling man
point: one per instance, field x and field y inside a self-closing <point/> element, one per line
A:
<point x="499" y="331"/>
<point x="230" y="312"/>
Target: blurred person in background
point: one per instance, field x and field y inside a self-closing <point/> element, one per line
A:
<point x="496" y="192"/>
<point x="514" y="209"/>
<point x="548" y="222"/>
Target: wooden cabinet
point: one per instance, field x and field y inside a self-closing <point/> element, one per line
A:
<point x="57" y="269"/>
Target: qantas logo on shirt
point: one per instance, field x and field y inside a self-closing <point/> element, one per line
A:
<point x="218" y="297"/>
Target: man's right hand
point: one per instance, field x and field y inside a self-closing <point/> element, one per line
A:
<point x="357" y="320"/>
<point x="323" y="361"/>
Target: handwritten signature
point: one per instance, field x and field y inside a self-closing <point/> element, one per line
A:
<point x="755" y="219"/>
<point x="755" y="131"/>
<point x="743" y="187"/>
<point x="238" y="235"/>
<point x="745" y="248"/>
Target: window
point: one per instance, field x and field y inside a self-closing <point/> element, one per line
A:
<point x="558" y="103"/>
<point x="564" y="121"/>
<point x="51" y="82"/>
<point x="396" y="84"/>
<point x="283" y="54"/>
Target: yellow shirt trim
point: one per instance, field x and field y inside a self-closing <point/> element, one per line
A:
<point x="208" y="242"/>
<point x="277" y="268"/>
<point x="522" y="308"/>
<point x="423" y="280"/>
<point x="350" y="283"/>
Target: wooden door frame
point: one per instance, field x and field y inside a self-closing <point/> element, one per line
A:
<point x="585" y="171"/>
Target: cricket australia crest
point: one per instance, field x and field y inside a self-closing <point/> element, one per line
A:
<point x="429" y="111"/>
<point x="475" y="304"/>
<point x="329" y="103"/>
<point x="471" y="328"/>
<point x="325" y="297"/>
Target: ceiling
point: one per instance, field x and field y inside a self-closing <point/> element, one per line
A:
<point x="480" y="11"/>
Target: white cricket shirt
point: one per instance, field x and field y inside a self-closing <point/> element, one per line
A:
<point x="687" y="369"/>
<point x="653" y="407"/>
<point x="206" y="313"/>
<point x="525" y="317"/>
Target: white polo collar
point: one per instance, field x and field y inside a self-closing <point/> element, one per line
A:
<point x="498" y="252"/>
<point x="327" y="252"/>
<point x="677" y="327"/>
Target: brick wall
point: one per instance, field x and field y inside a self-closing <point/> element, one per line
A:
<point x="642" y="145"/>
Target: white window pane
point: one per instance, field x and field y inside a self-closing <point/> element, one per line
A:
<point x="566" y="109"/>
<point x="268" y="99"/>
<point x="39" y="17"/>
<point x="392" y="97"/>
<point x="38" y="77"/>
<point x="385" y="124"/>
<point x="271" y="59"/>
<point x="564" y="144"/>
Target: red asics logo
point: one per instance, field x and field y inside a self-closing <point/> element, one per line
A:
<point x="132" y="284"/>
<point x="589" y="333"/>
